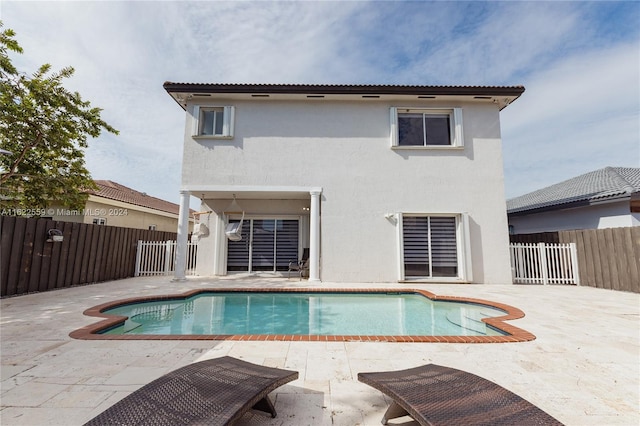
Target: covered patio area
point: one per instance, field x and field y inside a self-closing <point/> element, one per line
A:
<point x="260" y="212"/>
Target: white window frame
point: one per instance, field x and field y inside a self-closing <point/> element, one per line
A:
<point x="455" y="123"/>
<point x="99" y="221"/>
<point x="228" y="122"/>
<point x="463" y="247"/>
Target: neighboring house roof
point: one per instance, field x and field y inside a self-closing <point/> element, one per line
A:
<point x="600" y="185"/>
<point x="115" y="191"/>
<point x="503" y="95"/>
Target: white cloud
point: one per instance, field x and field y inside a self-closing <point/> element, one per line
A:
<point x="504" y="42"/>
<point x="578" y="115"/>
<point x="591" y="83"/>
<point x="580" y="83"/>
<point x="264" y="42"/>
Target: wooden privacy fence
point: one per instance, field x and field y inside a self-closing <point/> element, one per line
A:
<point x="544" y="263"/>
<point x="607" y="258"/>
<point x="88" y="253"/>
<point x="159" y="258"/>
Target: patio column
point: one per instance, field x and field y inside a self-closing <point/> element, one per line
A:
<point x="183" y="233"/>
<point x="314" y="237"/>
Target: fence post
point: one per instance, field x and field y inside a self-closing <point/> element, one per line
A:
<point x="513" y="267"/>
<point x="543" y="263"/>
<point x="138" y="258"/>
<point x="520" y="264"/>
<point x="574" y="263"/>
<point x="167" y="257"/>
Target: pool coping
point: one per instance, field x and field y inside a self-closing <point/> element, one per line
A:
<point x="515" y="334"/>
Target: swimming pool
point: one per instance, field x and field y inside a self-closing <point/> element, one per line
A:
<point x="306" y="314"/>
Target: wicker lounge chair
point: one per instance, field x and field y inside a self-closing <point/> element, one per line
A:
<point x="436" y="395"/>
<point x="212" y="392"/>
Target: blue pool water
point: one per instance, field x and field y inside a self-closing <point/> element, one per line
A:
<point x="364" y="314"/>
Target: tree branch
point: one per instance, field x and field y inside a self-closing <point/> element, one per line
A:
<point x="14" y="167"/>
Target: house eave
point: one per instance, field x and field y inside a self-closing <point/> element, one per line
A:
<point x="567" y="205"/>
<point x="183" y="92"/>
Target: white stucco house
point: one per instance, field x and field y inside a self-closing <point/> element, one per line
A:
<point x="604" y="198"/>
<point x="380" y="183"/>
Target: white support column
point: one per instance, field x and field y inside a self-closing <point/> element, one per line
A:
<point x="314" y="237"/>
<point x="183" y="233"/>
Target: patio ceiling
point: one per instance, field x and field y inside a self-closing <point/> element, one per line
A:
<point x="227" y="192"/>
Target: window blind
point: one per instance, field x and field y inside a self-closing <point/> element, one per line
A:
<point x="270" y="244"/>
<point x="430" y="246"/>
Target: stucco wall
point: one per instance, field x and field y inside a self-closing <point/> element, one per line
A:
<point x="344" y="147"/>
<point x="599" y="216"/>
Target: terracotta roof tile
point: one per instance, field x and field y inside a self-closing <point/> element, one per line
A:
<point x="342" y="88"/>
<point x="115" y="191"/>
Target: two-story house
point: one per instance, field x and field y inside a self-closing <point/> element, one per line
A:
<point x="380" y="183"/>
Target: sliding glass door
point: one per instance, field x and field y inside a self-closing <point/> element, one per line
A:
<point x="266" y="245"/>
<point x="429" y="246"/>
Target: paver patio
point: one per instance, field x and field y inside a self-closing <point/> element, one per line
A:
<point x="583" y="368"/>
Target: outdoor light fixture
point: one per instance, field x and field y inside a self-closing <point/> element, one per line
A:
<point x="391" y="217"/>
<point x="55" y="236"/>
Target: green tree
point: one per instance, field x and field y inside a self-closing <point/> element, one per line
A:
<point x="45" y="129"/>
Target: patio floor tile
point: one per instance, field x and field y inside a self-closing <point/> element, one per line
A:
<point x="583" y="367"/>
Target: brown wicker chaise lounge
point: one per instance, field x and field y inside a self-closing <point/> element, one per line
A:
<point x="213" y="392"/>
<point x="436" y="395"/>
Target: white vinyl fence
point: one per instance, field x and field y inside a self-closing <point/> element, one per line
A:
<point x="159" y="258"/>
<point x="544" y="263"/>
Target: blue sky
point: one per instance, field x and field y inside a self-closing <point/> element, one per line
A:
<point x="579" y="62"/>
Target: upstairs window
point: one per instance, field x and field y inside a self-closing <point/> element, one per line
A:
<point x="211" y="122"/>
<point x="214" y="122"/>
<point x="426" y="128"/>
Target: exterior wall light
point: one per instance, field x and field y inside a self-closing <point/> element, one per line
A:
<point x="55" y="236"/>
<point x="391" y="217"/>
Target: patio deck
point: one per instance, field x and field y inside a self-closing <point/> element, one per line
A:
<point x="583" y="368"/>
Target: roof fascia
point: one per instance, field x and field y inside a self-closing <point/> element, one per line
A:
<point x="570" y="205"/>
<point x="344" y="89"/>
<point x="174" y="89"/>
